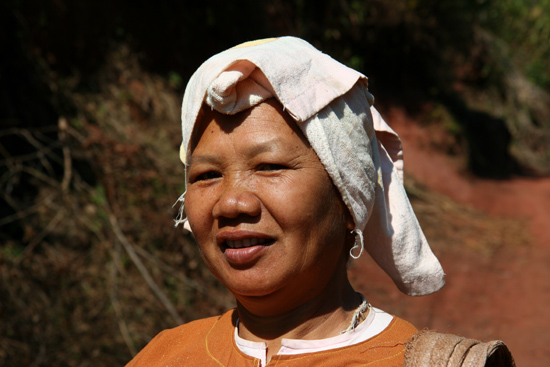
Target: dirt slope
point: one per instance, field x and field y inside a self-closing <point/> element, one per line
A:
<point x="503" y="294"/>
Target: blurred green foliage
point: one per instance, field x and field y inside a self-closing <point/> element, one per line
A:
<point x="524" y="26"/>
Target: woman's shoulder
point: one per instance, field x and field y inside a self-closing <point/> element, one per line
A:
<point x="388" y="347"/>
<point x="190" y="336"/>
<point x="401" y="328"/>
<point x="396" y="329"/>
<point x="197" y="328"/>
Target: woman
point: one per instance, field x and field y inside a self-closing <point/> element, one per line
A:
<point x="290" y="172"/>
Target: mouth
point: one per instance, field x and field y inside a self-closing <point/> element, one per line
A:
<point x="244" y="248"/>
<point x="246" y="242"/>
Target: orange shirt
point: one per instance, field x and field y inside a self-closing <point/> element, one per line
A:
<point x="210" y="342"/>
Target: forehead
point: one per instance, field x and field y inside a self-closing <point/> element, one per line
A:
<point x="267" y="119"/>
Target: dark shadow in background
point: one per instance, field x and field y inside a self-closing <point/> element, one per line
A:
<point x="403" y="54"/>
<point x="41" y="40"/>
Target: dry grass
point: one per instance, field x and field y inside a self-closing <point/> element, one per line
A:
<point x="101" y="269"/>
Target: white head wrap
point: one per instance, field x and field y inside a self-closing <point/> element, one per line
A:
<point x="361" y="153"/>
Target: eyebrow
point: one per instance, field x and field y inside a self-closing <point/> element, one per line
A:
<point x="263" y="147"/>
<point x="202" y="159"/>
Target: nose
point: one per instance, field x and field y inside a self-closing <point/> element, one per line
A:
<point x="235" y="201"/>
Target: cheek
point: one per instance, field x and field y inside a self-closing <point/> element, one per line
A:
<point x="331" y="211"/>
<point x="310" y="204"/>
<point x="198" y="211"/>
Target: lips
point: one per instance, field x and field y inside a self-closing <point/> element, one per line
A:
<point x="243" y="248"/>
<point x="247" y="242"/>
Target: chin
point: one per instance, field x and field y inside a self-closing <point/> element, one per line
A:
<point x="253" y="288"/>
<point x="247" y="290"/>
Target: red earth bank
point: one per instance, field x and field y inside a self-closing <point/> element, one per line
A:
<point x="504" y="296"/>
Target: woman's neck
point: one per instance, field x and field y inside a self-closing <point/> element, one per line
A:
<point x="321" y="316"/>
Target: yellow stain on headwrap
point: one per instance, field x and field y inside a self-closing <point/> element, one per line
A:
<point x="183" y="154"/>
<point x="256" y="42"/>
<point x="380" y="178"/>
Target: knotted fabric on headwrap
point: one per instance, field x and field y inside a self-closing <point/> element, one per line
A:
<point x="361" y="153"/>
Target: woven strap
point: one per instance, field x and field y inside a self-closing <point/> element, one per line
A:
<point x="430" y="348"/>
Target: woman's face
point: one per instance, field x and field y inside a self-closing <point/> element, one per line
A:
<point x="264" y="211"/>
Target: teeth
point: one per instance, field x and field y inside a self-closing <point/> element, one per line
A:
<point x="247" y="242"/>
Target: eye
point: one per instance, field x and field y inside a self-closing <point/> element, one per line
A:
<point x="271" y="167"/>
<point x="209" y="175"/>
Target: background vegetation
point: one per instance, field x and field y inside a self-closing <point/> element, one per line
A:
<point x="90" y="266"/>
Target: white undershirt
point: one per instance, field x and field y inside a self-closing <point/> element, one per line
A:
<point x="376" y="322"/>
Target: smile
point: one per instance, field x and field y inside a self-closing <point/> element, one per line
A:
<point x="247" y="242"/>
